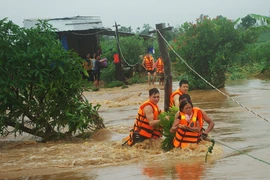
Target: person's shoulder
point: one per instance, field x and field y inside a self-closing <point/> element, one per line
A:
<point x="177" y="114"/>
<point x="148" y="107"/>
<point x="176" y="94"/>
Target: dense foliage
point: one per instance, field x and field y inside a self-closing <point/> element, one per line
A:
<point x="217" y="49"/>
<point x="132" y="49"/>
<point x="41" y="85"/>
<point x="248" y="22"/>
<point x="209" y="46"/>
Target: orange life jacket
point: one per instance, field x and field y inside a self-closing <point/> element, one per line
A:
<point x="142" y="126"/>
<point x="148" y="62"/>
<point x="160" y="66"/>
<point x="172" y="96"/>
<point x="199" y="116"/>
<point x="184" y="137"/>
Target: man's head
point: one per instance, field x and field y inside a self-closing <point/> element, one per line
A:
<point x="183" y="86"/>
<point x="184" y="97"/>
<point x="154" y="95"/>
<point x="97" y="56"/>
<point x="148" y="55"/>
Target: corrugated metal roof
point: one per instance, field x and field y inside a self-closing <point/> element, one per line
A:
<point x="76" y="23"/>
<point x="110" y="32"/>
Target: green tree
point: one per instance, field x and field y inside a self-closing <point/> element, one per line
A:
<point x="41" y="85"/>
<point x="145" y="29"/>
<point x="208" y="46"/>
<point x="109" y="48"/>
<point x="263" y="19"/>
<point x="131" y="47"/>
<point x="248" y="21"/>
<point x="125" y="29"/>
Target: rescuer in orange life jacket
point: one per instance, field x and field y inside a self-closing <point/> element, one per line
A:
<point x="149" y="64"/>
<point x="183" y="89"/>
<point x="188" y="124"/>
<point x="145" y="125"/>
<point x="160" y="70"/>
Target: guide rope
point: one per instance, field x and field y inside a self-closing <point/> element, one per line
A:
<point x="130" y="65"/>
<point x="250" y="110"/>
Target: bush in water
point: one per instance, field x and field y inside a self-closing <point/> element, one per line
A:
<point x="41" y="85"/>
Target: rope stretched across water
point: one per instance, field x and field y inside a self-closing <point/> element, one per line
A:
<point x="210" y="148"/>
<point x="130" y="65"/>
<point x="250" y="110"/>
<point x="212" y="140"/>
<point x="242" y="152"/>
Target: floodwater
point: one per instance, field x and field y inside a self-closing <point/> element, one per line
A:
<point x="242" y="149"/>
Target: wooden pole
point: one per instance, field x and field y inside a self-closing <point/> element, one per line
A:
<point x="118" y="66"/>
<point x="167" y="65"/>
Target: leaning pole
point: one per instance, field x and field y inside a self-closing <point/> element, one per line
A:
<point x="160" y="29"/>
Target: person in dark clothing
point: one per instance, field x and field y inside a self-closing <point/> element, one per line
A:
<point x="97" y="69"/>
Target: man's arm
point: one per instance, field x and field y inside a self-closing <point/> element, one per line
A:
<point x="175" y="123"/>
<point x="210" y="122"/>
<point x="143" y="62"/>
<point x="176" y="100"/>
<point x="150" y="116"/>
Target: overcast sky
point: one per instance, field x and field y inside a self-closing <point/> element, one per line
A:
<point x="132" y="13"/>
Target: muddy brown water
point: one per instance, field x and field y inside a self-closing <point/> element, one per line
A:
<point x="237" y="131"/>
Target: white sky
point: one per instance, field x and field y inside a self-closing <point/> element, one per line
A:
<point x="132" y="13"/>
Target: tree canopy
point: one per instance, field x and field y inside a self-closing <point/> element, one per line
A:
<point x="208" y="46"/>
<point x="248" y="21"/>
<point x="41" y="85"/>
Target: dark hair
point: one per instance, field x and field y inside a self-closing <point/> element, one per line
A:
<point x="184" y="103"/>
<point x="183" y="81"/>
<point x="96" y="55"/>
<point x="153" y="91"/>
<point x="184" y="97"/>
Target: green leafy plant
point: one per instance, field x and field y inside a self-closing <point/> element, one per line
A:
<point x="208" y="46"/>
<point x="166" y="122"/>
<point x="41" y="85"/>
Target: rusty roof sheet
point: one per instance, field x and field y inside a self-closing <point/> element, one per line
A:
<point x="76" y="23"/>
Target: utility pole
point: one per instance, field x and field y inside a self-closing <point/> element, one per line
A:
<point x="167" y="64"/>
<point x="118" y="66"/>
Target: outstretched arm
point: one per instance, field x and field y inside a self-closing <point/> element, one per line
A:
<point x="102" y="60"/>
<point x="209" y="121"/>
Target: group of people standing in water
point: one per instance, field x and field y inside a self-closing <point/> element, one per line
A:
<point x="187" y="125"/>
<point x="153" y="68"/>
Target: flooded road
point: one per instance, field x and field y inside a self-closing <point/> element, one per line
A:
<point x="237" y="131"/>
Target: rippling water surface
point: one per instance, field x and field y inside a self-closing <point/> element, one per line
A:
<point x="237" y="131"/>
